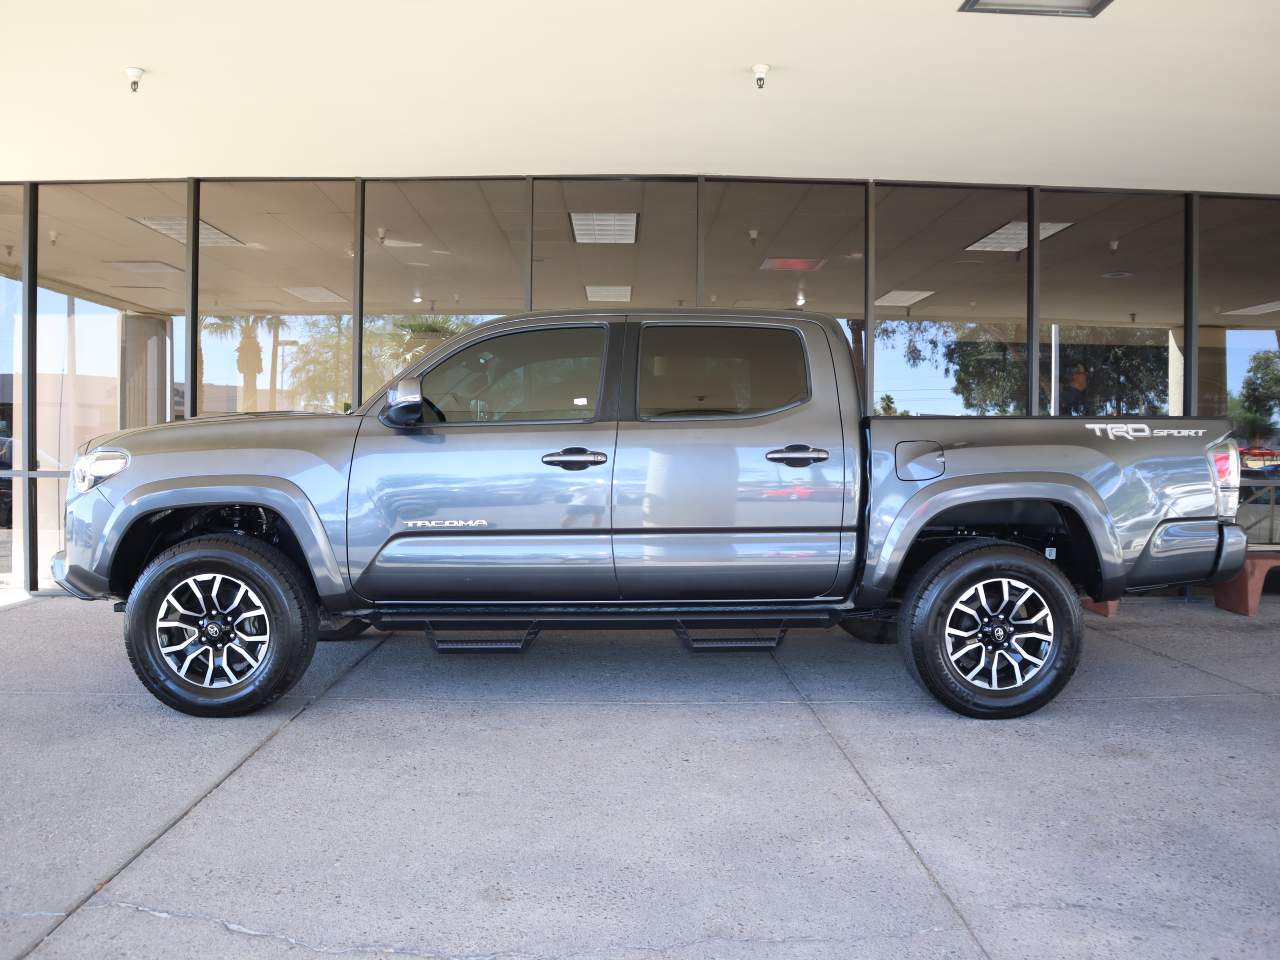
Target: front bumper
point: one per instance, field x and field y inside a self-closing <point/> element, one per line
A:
<point x="81" y="568"/>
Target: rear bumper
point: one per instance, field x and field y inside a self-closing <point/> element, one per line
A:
<point x="1232" y="548"/>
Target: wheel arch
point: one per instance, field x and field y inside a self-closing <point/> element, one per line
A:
<point x="897" y="551"/>
<point x="145" y="521"/>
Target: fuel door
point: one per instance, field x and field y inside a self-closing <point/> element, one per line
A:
<point x="919" y="460"/>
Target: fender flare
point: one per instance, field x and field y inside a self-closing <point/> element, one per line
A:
<point x="881" y="571"/>
<point x="273" y="493"/>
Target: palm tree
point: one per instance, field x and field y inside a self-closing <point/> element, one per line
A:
<point x="248" y="351"/>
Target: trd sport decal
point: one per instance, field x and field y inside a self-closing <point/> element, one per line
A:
<point x="1139" y="431"/>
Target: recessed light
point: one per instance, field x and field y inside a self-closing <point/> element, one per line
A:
<point x="604" y="227"/>
<point x="175" y="228"/>
<point x="1012" y="237"/>
<point x="1271" y="306"/>
<point x="597" y="293"/>
<point x="1117" y="275"/>
<point x="1041" y="8"/>
<point x="796" y="264"/>
<point x="143" y="266"/>
<point x="800" y="299"/>
<point x="903" y="298"/>
<point x="314" y="294"/>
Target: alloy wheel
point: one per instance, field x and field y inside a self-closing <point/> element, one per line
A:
<point x="213" y="631"/>
<point x="999" y="634"/>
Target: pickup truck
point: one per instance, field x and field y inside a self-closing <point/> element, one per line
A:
<point x="709" y="472"/>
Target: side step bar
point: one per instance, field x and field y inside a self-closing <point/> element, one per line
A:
<point x="498" y="644"/>
<point x="699" y="643"/>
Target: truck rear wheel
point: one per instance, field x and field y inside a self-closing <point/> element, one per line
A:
<point x="992" y="630"/>
<point x="220" y="626"/>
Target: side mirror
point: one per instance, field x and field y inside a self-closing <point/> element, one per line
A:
<point x="404" y="403"/>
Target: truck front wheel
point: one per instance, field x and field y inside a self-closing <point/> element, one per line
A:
<point x="992" y="630"/>
<point x="220" y="626"/>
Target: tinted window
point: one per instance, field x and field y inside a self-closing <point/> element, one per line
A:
<point x="719" y="370"/>
<point x="538" y="375"/>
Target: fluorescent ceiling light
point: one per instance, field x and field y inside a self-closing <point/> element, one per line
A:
<point x="607" y="294"/>
<point x="1271" y="306"/>
<point x="797" y="264"/>
<point x="1042" y="8"/>
<point x="175" y="228"/>
<point x="604" y="227"/>
<point x="903" y="298"/>
<point x="314" y="294"/>
<point x="1012" y="237"/>
<point x="143" y="266"/>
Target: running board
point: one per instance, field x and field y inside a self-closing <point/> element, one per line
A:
<point x="701" y="643"/>
<point x="500" y="644"/>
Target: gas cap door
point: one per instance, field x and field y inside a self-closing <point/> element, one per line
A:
<point x="919" y="460"/>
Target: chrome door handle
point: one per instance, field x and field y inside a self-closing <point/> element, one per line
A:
<point x="575" y="458"/>
<point x="797" y="455"/>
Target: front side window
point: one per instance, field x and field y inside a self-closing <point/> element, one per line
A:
<point x="537" y="375"/>
<point x="720" y="370"/>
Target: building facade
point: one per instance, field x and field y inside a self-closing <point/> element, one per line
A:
<point x="124" y="304"/>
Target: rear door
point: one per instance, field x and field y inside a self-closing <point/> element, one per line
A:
<point x="508" y="499"/>
<point x="729" y="480"/>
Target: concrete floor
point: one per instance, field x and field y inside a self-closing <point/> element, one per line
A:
<point x="614" y="796"/>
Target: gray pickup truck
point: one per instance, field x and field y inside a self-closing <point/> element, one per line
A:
<point x="709" y="472"/>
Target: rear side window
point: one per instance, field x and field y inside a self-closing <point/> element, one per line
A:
<point x="719" y="371"/>
<point x="551" y="374"/>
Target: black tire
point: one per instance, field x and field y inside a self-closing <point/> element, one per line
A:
<point x="348" y="631"/>
<point x="871" y="631"/>
<point x="942" y="583"/>
<point x="290" y="610"/>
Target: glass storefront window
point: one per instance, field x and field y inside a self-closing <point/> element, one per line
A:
<point x="111" y="263"/>
<point x="774" y="245"/>
<point x="11" y="552"/>
<point x="1111" y="314"/>
<point x="951" y="301"/>
<point x="1239" y="345"/>
<point x="613" y="243"/>
<point x="276" y="274"/>
<point x="439" y="257"/>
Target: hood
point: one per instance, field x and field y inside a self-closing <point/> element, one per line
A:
<point x="220" y="422"/>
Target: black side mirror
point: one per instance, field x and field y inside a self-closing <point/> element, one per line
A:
<point x="404" y="404"/>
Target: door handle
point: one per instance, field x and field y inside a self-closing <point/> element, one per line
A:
<point x="575" y="458"/>
<point x="797" y="455"/>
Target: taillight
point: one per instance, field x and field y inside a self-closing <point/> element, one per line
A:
<point x="1224" y="458"/>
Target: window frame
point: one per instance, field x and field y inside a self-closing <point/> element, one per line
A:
<point x="603" y="412"/>
<point x="739" y="323"/>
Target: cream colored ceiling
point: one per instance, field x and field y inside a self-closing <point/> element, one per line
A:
<point x="1180" y="94"/>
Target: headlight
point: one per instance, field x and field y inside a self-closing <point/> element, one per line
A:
<point x="95" y="466"/>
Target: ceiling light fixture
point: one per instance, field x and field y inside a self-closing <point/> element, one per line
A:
<point x="760" y="71"/>
<point x="135" y="77"/>
<point x="1039" y="8"/>
<point x="417" y="296"/>
<point x="903" y="298"/>
<point x="793" y="264"/>
<point x="175" y="228"/>
<point x="600" y="293"/>
<point x="1271" y="306"/>
<point x="1117" y="275"/>
<point x="799" y="298"/>
<point x="604" y="227"/>
<point x="1012" y="237"/>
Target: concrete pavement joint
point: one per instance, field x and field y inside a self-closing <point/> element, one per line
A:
<point x="199" y="800"/>
<point x="937" y="884"/>
<point x="1115" y="634"/>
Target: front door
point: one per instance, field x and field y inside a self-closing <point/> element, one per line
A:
<point x="508" y="498"/>
<point x="729" y="482"/>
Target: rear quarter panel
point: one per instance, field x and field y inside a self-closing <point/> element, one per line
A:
<point x="1123" y="483"/>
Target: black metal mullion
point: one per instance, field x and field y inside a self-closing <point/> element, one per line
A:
<point x="1190" y="306"/>
<point x="27" y="366"/>
<point x="528" y="274"/>
<point x="193" y="298"/>
<point x="1033" y="301"/>
<point x="869" y="296"/>
<point x="700" y="296"/>
<point x="357" y="298"/>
